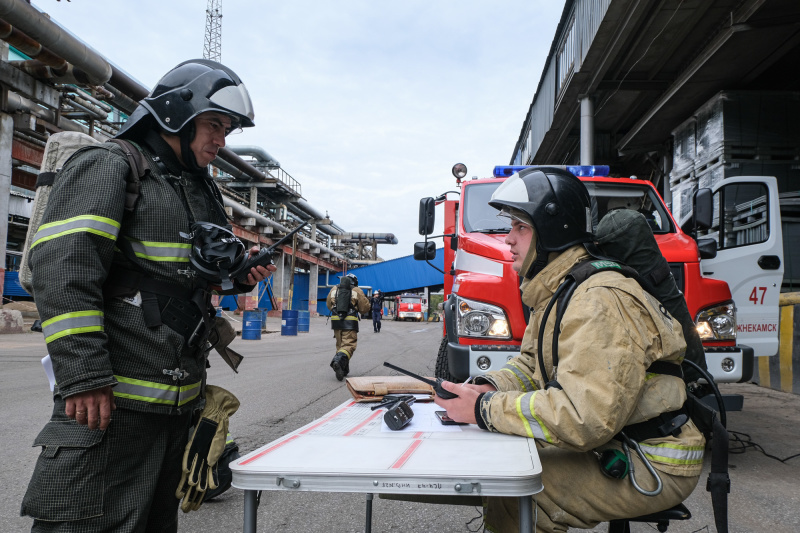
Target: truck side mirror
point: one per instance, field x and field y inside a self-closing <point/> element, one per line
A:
<point x="427" y="216"/>
<point x="703" y="210"/>
<point x="702" y="213"/>
<point x="424" y="251"/>
<point x="707" y="248"/>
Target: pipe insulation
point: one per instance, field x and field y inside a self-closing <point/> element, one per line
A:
<point x="242" y="211"/>
<point x="258" y="153"/>
<point x="49" y="34"/>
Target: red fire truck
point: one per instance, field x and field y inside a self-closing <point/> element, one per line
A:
<point x="733" y="255"/>
<point x="410" y="307"/>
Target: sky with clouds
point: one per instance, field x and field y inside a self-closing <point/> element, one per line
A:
<point x="368" y="104"/>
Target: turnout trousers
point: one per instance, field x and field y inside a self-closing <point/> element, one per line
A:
<point x="119" y="480"/>
<point x="578" y="495"/>
<point x="346" y="341"/>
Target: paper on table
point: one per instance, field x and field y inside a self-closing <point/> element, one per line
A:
<point x="424" y="420"/>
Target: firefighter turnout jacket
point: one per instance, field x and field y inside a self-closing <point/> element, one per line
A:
<point x="358" y="304"/>
<point x="95" y="339"/>
<point x="611" y="332"/>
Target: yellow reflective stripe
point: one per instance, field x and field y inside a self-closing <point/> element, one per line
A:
<point x="161" y="251"/>
<point x="72" y="324"/>
<point x="229" y="438"/>
<point x="533" y="424"/>
<point x="524" y="382"/>
<point x="152" y="392"/>
<point x="675" y="454"/>
<point x="103" y="226"/>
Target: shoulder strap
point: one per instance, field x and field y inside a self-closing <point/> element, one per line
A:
<point x="139" y="169"/>
<point x="577" y="275"/>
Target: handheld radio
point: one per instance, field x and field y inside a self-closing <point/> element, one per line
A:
<point x="263" y="257"/>
<point x="437" y="385"/>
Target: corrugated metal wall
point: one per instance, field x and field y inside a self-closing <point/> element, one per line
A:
<point x="574" y="43"/>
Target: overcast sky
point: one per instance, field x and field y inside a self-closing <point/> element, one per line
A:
<point x="368" y="104"/>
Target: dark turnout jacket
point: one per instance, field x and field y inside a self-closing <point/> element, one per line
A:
<point x="96" y="340"/>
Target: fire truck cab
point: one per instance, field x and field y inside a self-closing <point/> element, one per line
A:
<point x="726" y="256"/>
<point x="410" y="307"/>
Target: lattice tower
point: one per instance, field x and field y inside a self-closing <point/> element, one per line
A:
<point x="213" y="42"/>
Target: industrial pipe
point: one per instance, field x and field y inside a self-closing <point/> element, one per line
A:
<point x="258" y="153"/>
<point x="46" y="32"/>
<point x="385" y="238"/>
<point x="242" y="211"/>
<point x="16" y="103"/>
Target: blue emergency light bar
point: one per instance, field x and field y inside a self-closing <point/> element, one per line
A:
<point x="503" y="171"/>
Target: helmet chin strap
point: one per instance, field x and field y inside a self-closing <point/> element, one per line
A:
<point x="541" y="260"/>
<point x="186" y="135"/>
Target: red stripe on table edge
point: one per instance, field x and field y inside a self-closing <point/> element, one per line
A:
<point x="271" y="448"/>
<point x="408" y="453"/>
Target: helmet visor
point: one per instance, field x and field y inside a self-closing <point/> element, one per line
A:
<point x="235" y="99"/>
<point x="511" y="190"/>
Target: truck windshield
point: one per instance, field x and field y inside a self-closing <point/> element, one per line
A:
<point x="610" y="196"/>
<point x="480" y="217"/>
<point x="409" y="300"/>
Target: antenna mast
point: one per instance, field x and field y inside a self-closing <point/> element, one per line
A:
<point x="213" y="43"/>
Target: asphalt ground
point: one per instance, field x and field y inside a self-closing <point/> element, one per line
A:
<point x="285" y="382"/>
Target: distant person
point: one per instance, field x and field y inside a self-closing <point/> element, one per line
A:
<point x="377" y="310"/>
<point x="345" y="303"/>
<point x="617" y="371"/>
<point x="126" y="313"/>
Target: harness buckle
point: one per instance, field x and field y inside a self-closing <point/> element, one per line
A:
<point x="177" y="374"/>
<point x="188" y="273"/>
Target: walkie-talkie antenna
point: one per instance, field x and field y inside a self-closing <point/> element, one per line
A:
<point x="441" y="392"/>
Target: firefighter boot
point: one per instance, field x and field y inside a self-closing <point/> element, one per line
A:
<point x="339" y="364"/>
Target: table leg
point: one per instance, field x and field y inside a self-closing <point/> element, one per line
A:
<point x="250" y="508"/>
<point x="369" y="513"/>
<point x="525" y="514"/>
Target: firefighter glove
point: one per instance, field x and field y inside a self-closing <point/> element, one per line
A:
<point x="205" y="447"/>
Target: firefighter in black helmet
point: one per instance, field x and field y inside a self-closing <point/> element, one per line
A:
<point x="609" y="385"/>
<point x="127" y="316"/>
<point x="345" y="303"/>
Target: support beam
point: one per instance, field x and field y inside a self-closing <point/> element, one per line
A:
<point x="6" y="133"/>
<point x="313" y="289"/>
<point x="587" y="130"/>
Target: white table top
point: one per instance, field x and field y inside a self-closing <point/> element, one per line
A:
<point x="347" y="451"/>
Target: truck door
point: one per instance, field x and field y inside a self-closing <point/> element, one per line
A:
<point x="747" y="228"/>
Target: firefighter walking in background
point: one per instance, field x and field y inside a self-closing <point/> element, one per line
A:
<point x="127" y="319"/>
<point x="377" y="310"/>
<point x="345" y="303"/>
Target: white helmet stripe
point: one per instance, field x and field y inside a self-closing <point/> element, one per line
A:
<point x="234" y="98"/>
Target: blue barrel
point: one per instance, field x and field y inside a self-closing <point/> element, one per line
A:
<point x="219" y="311"/>
<point x="251" y="325"/>
<point x="303" y="321"/>
<point x="289" y="322"/>
<point x="263" y="319"/>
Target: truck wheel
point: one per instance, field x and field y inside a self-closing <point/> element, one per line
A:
<point x="442" y="369"/>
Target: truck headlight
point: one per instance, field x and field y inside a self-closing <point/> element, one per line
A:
<point x="717" y="323"/>
<point x="478" y="319"/>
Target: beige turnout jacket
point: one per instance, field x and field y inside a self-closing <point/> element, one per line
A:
<point x="611" y="332"/>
